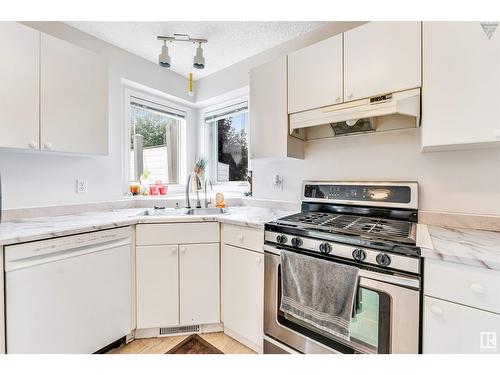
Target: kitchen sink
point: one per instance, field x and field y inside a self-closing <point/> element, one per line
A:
<point x="207" y="211"/>
<point x="183" y="211"/>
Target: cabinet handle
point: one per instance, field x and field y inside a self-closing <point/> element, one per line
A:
<point x="240" y="237"/>
<point x="33" y="144"/>
<point x="47" y="146"/>
<point x="257" y="259"/>
<point x="477" y="288"/>
<point x="496" y="132"/>
<point x="436" y="310"/>
<point x="183" y="250"/>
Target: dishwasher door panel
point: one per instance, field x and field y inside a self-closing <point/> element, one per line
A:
<point x="77" y="304"/>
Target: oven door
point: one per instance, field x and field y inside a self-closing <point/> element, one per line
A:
<point x="387" y="321"/>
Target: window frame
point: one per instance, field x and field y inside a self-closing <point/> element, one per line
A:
<point x="132" y="92"/>
<point x="211" y="152"/>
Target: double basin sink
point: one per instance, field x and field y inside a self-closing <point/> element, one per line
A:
<point x="162" y="211"/>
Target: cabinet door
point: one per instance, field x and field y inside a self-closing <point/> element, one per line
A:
<point x="381" y="57"/>
<point x="243" y="295"/>
<point x="461" y="92"/>
<point x="74" y="97"/>
<point x="315" y="75"/>
<point x="456" y="329"/>
<point x="157" y="286"/>
<point x="269" y="137"/>
<point x="199" y="284"/>
<point x="19" y="67"/>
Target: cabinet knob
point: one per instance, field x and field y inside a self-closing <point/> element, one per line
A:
<point x="174" y="250"/>
<point x="350" y="96"/>
<point x="436" y="310"/>
<point x="477" y="288"/>
<point x="496" y="132"/>
<point x="47" y="145"/>
<point x="183" y="250"/>
<point x="337" y="99"/>
<point x="257" y="259"/>
<point x="240" y="236"/>
<point x="33" y="144"/>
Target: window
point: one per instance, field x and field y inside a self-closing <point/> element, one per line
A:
<point x="155" y="132"/>
<point x="228" y="143"/>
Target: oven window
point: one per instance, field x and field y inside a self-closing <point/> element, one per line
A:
<point x="364" y="326"/>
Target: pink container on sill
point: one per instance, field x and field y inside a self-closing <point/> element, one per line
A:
<point x="154" y="190"/>
<point x="162" y="189"/>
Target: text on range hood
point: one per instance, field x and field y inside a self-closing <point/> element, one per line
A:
<point x="399" y="110"/>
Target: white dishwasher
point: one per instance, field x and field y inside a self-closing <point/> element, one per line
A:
<point x="70" y="294"/>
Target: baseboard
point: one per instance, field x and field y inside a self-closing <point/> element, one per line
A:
<point x="244" y="341"/>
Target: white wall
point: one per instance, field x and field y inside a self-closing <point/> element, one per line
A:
<point x="452" y="181"/>
<point x="33" y="179"/>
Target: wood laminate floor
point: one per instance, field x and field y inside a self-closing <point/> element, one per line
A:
<point x="161" y="345"/>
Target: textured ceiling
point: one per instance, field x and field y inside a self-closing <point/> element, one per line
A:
<point x="228" y="42"/>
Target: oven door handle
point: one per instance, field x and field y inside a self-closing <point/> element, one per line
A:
<point x="383" y="277"/>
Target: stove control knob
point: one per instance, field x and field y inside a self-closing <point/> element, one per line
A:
<point x="281" y="239"/>
<point x="325" y="248"/>
<point x="297" y="242"/>
<point x="359" y="254"/>
<point x="383" y="259"/>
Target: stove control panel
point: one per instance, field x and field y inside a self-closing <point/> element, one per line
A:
<point x="378" y="194"/>
<point x="363" y="255"/>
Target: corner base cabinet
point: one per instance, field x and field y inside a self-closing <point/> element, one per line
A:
<point x="177" y="275"/>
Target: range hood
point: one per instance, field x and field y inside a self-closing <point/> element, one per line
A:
<point x="394" y="111"/>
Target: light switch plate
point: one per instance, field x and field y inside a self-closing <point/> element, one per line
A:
<point x="82" y="186"/>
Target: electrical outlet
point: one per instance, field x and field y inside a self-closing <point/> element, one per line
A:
<point x="82" y="186"/>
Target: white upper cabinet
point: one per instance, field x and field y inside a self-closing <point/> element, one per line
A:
<point x="315" y="75"/>
<point x="74" y="97"/>
<point x="19" y="63"/>
<point x="381" y="57"/>
<point x="269" y="137"/>
<point x="461" y="86"/>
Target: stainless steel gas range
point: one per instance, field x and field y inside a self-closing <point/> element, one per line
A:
<point x="370" y="225"/>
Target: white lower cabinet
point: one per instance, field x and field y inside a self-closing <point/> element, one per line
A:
<point x="177" y="284"/>
<point x="461" y="309"/>
<point x="243" y="289"/>
<point x="199" y="284"/>
<point x="157" y="286"/>
<point x="457" y="329"/>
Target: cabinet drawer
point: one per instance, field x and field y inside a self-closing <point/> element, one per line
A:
<point x="472" y="286"/>
<point x="450" y="328"/>
<point x="248" y="238"/>
<point x="185" y="233"/>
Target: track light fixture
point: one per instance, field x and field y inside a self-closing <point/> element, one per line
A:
<point x="164" y="58"/>
<point x="199" y="60"/>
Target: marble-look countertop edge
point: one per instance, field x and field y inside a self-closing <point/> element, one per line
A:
<point x="133" y="220"/>
<point x="452" y="254"/>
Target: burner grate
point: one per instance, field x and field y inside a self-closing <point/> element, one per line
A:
<point x="352" y="224"/>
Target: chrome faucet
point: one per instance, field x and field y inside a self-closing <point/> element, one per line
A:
<point x="198" y="186"/>
<point x="207" y="202"/>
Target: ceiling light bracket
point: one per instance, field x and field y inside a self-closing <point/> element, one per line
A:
<point x="181" y="38"/>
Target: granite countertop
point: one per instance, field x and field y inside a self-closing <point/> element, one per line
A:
<point x="32" y="229"/>
<point x="464" y="246"/>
